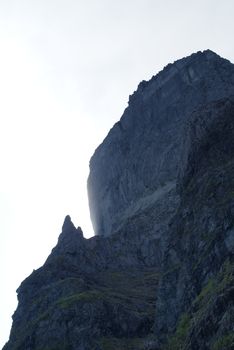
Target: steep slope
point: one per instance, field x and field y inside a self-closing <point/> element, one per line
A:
<point x="159" y="274"/>
<point x="196" y="292"/>
<point x="90" y="294"/>
<point x="138" y="162"/>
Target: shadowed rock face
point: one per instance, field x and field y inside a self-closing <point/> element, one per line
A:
<point x="159" y="274"/>
<point x="141" y="155"/>
<point x="195" y="295"/>
<point x="89" y="294"/>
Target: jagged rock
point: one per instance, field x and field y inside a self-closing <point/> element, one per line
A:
<point x="68" y="225"/>
<point x="198" y="273"/>
<point x="159" y="274"/>
<point x="139" y="160"/>
<point x="84" y="297"/>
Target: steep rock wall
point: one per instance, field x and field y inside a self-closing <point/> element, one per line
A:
<point x="160" y="273"/>
<point x="197" y="285"/>
<point x="139" y="160"/>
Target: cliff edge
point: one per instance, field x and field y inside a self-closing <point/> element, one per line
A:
<point x="137" y="164"/>
<point x="159" y="274"/>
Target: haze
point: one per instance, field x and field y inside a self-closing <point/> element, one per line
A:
<point x="66" y="71"/>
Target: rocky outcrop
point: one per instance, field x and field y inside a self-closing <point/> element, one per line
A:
<point x="159" y="274"/>
<point x="138" y="162"/>
<point x="90" y="294"/>
<point x="195" y="295"/>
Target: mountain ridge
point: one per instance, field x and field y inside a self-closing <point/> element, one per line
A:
<point x="159" y="274"/>
<point x="143" y="149"/>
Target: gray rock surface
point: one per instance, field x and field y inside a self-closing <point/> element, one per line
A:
<point x="197" y="281"/>
<point x="142" y="152"/>
<point x="89" y="294"/>
<point x="159" y="274"/>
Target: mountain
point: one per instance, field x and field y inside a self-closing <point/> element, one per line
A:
<point x="139" y="160"/>
<point x="159" y="274"/>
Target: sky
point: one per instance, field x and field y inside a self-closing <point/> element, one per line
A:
<point x="67" y="68"/>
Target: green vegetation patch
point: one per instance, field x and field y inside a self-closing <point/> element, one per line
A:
<point x="88" y="296"/>
<point x="226" y="277"/>
<point x="225" y="342"/>
<point x="215" y="287"/>
<point x="206" y="292"/>
<point x="92" y="296"/>
<point x="177" y="341"/>
<point x="135" y="289"/>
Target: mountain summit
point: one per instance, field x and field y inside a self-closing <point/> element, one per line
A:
<point x="159" y="274"/>
<point x="141" y="156"/>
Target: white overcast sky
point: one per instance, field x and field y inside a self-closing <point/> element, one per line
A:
<point x="67" y="68"/>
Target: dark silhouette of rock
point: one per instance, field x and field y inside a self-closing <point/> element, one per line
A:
<point x="88" y="294"/>
<point x="159" y="274"/>
<point x="195" y="294"/>
<point x="68" y="225"/>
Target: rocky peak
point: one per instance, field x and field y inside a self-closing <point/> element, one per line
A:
<point x="68" y="225"/>
<point x="69" y="231"/>
<point x="160" y="273"/>
<point x="190" y="68"/>
<point x="138" y="162"/>
<point x="70" y="240"/>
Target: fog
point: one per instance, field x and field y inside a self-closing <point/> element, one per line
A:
<point x="66" y="71"/>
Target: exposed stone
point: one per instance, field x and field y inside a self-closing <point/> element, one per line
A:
<point x="142" y="152"/>
<point x="89" y="293"/>
<point x="159" y="274"/>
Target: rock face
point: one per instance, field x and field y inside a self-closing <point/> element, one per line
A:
<point x="195" y="294"/>
<point x="159" y="274"/>
<point x="90" y="294"/>
<point x="138" y="162"/>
